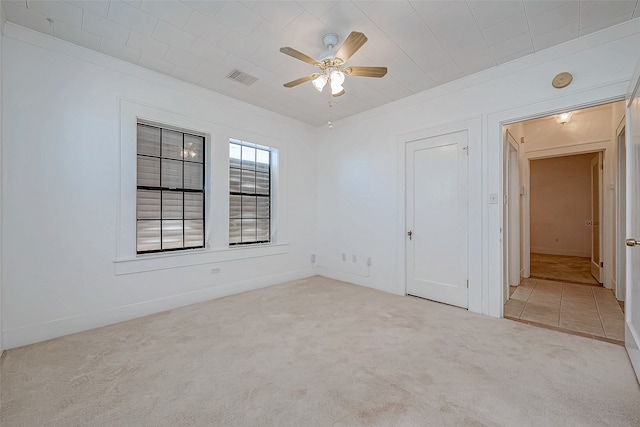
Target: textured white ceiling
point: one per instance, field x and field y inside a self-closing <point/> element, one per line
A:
<point x="423" y="43"/>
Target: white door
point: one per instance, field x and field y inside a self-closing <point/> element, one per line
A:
<point x="437" y="242"/>
<point x="632" y="302"/>
<point x="596" y="217"/>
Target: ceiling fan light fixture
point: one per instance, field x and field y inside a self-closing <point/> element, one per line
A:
<point x="336" y="89"/>
<point x="563" y="118"/>
<point x="319" y="82"/>
<point x="336" y="77"/>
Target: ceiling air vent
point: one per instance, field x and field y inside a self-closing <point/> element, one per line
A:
<point x="241" y="77"/>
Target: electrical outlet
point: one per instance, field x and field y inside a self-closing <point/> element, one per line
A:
<point x="369" y="262"/>
<point x="313" y="258"/>
<point x="215" y="270"/>
<point x="344" y="257"/>
<point x="354" y="258"/>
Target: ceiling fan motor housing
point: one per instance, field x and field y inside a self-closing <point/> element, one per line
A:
<point x="329" y="40"/>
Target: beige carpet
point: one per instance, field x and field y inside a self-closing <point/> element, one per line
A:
<point x="317" y="352"/>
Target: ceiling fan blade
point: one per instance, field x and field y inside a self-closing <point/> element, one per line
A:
<point x="350" y="46"/>
<point x="366" y="71"/>
<point x="298" y="55"/>
<point x="339" y="93"/>
<point x="301" y="80"/>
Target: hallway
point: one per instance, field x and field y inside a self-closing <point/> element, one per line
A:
<point x="568" y="269"/>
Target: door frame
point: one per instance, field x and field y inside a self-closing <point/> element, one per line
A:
<point x="475" y="249"/>
<point x="620" y="280"/>
<point x="495" y="123"/>
<point x="592" y="147"/>
<point x="601" y="229"/>
<point x="511" y="207"/>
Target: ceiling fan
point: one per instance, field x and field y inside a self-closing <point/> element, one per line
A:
<point x="330" y="63"/>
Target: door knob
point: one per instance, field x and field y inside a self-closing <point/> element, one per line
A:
<point x="633" y="242"/>
<point x="410" y="233"/>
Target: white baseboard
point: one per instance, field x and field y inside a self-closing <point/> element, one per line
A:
<point x="565" y="252"/>
<point x="368" y="282"/>
<point x="632" y="343"/>
<point x="13" y="338"/>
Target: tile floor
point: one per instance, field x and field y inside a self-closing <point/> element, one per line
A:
<point x="590" y="311"/>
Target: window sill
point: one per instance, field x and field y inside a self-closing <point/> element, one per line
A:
<point x="163" y="261"/>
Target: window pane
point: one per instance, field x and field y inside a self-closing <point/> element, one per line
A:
<point x="148" y="140"/>
<point x="171" y="173"/>
<point x="263" y="230"/>
<point x="235" y="152"/>
<point x="262" y="160"/>
<point x="193" y="148"/>
<point x="193" y="176"/>
<point x="148" y="204"/>
<point x="235" y="206"/>
<point x="148" y="171"/>
<point x="193" y="233"/>
<point x="248" y="207"/>
<point x="193" y="205"/>
<point x="263" y="207"/>
<point x="171" y="144"/>
<point x="234" y="231"/>
<point x="248" y="230"/>
<point x="171" y="234"/>
<point x="148" y="236"/>
<point x="174" y="161"/>
<point x="171" y="205"/>
<point x="262" y="182"/>
<point x="234" y="180"/>
<point x="248" y="157"/>
<point x="248" y="181"/>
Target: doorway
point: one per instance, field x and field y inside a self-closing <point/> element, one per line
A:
<point x="550" y="293"/>
<point x="565" y="207"/>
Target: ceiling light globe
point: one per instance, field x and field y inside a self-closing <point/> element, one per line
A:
<point x="336" y="88"/>
<point x="336" y="77"/>
<point x="319" y="82"/>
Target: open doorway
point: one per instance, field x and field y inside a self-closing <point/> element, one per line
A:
<point x="565" y="209"/>
<point x="566" y="191"/>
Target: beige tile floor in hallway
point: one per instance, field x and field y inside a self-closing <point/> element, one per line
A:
<point x="590" y="311"/>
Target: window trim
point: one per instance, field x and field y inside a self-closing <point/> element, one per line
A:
<point x="216" y="249"/>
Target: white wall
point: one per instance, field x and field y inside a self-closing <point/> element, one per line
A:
<point x="67" y="264"/>
<point x="360" y="164"/>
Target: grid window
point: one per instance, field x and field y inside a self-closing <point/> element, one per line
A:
<point x="249" y="193"/>
<point x="170" y="198"/>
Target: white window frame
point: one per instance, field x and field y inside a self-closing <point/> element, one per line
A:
<point x="216" y="248"/>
